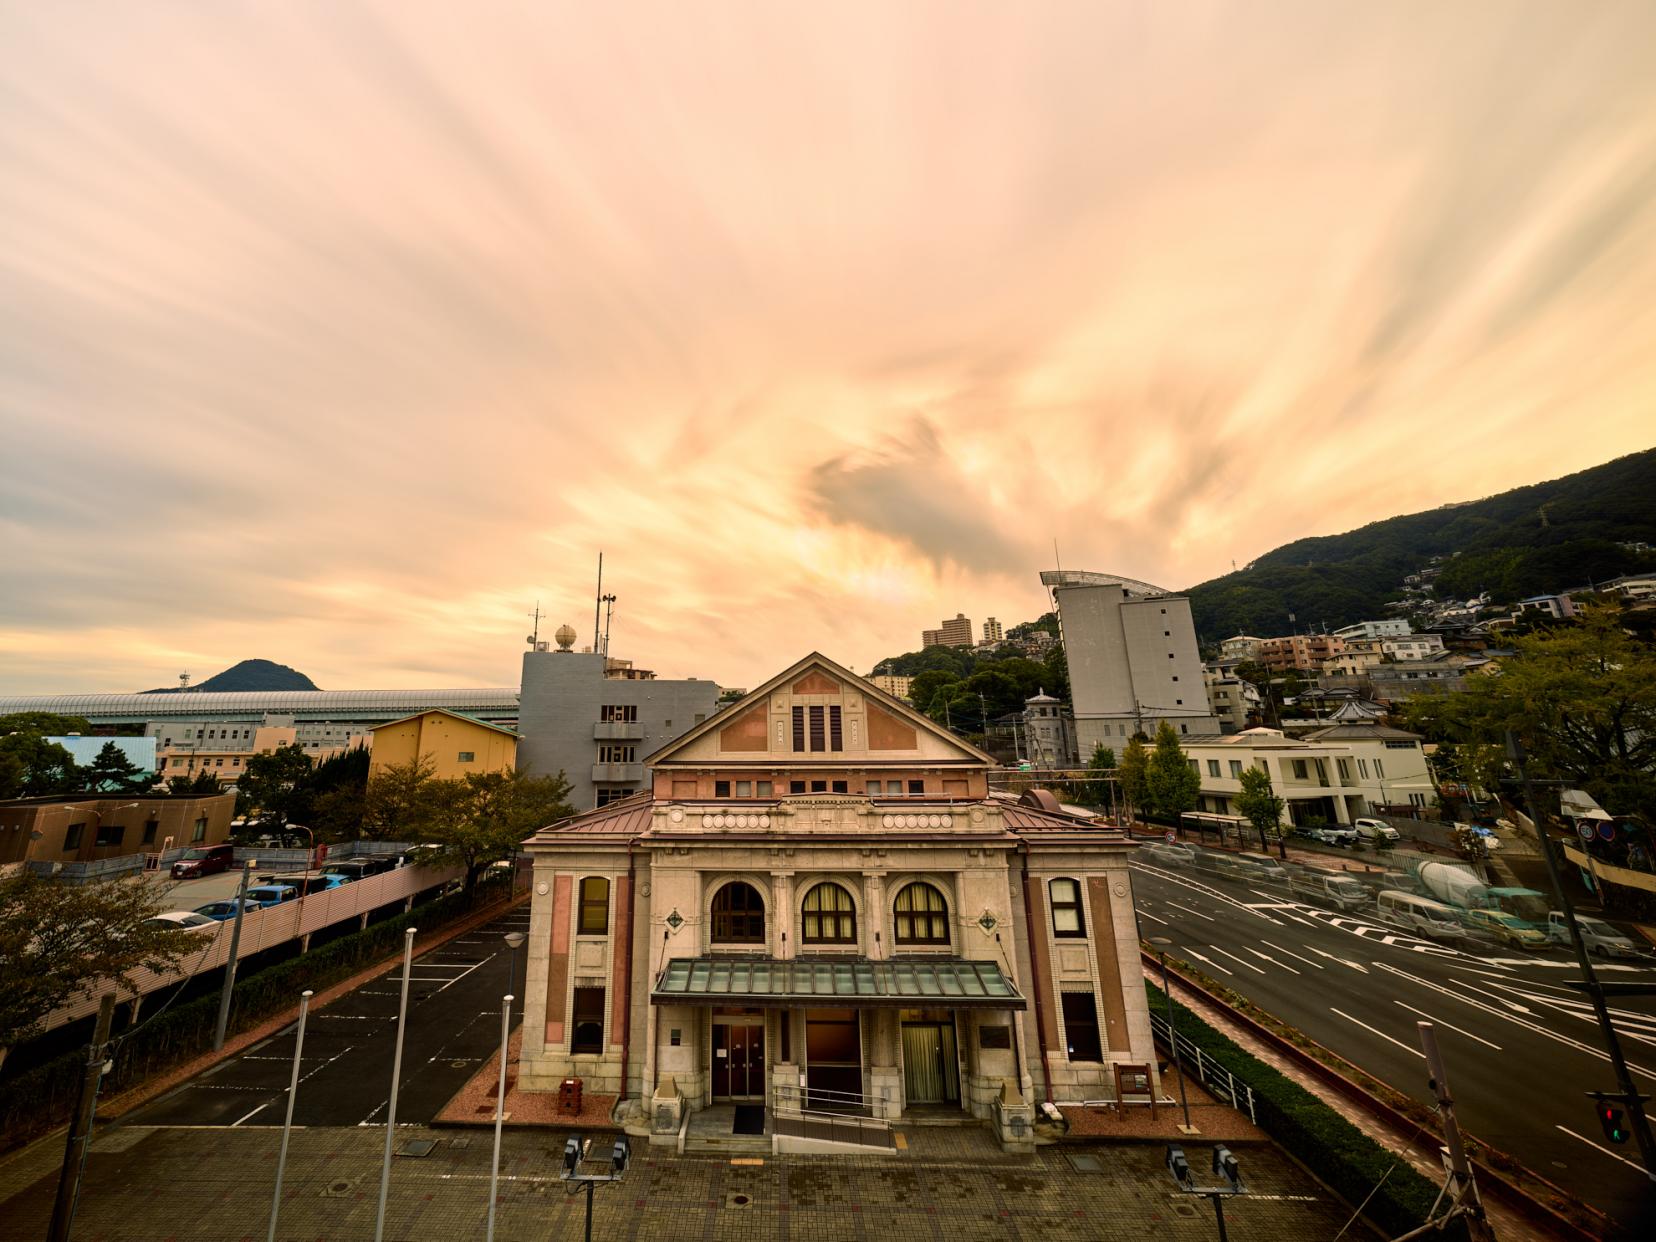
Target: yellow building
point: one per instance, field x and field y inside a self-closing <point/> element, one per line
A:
<point x="456" y="744"/>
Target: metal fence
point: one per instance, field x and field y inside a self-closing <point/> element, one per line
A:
<point x="1219" y="1081"/>
<point x="804" y="1113"/>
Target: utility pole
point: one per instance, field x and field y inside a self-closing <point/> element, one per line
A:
<point x="1464" y="1198"/>
<point x="1594" y="989"/>
<point x="80" y="1127"/>
<point x="235" y="951"/>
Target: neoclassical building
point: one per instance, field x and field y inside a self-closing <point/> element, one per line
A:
<point x="818" y="896"/>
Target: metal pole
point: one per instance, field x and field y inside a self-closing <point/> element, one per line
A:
<point x="80" y="1128"/>
<point x="500" y="1109"/>
<point x="1466" y="1187"/>
<point x="591" y="1186"/>
<point x="235" y="949"/>
<point x="287" y="1122"/>
<point x="1219" y="1215"/>
<point x="1173" y="1039"/>
<point x="396" y="1076"/>
<point x="1612" y="1045"/>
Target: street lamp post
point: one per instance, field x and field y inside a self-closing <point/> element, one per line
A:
<point x="514" y="942"/>
<point x="1162" y="944"/>
<point x="229" y="984"/>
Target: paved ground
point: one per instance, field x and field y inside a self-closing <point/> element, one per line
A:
<point x="1521" y="1047"/>
<point x="453" y="1027"/>
<point x="184" y="1184"/>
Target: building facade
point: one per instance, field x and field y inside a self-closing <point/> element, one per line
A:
<point x="1049" y="733"/>
<point x="452" y="744"/>
<point x="1240" y="647"/>
<point x="89" y="827"/>
<point x="1302" y="653"/>
<point x="1392" y="627"/>
<point x="896" y="686"/>
<point x="1232" y="700"/>
<point x="818" y="899"/>
<point x="595" y="728"/>
<point x="955" y="633"/>
<point x="992" y="632"/>
<point x="1133" y="659"/>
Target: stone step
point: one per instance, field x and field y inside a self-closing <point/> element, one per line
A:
<point x="726" y="1144"/>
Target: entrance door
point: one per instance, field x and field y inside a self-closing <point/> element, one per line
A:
<point x="931" y="1068"/>
<point x="833" y="1060"/>
<point x="739" y="1059"/>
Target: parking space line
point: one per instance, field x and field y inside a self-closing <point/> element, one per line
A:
<point x="252" y="1114"/>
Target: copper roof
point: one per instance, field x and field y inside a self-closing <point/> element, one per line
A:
<point x="628" y="817"/>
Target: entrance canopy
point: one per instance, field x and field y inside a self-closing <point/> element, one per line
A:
<point x="855" y="982"/>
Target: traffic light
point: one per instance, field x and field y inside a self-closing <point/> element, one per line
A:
<point x="1612" y="1121"/>
<point x="1224" y="1164"/>
<point x="571" y="1156"/>
<point x="1177" y="1165"/>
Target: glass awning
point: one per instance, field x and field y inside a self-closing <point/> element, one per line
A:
<point x="847" y="982"/>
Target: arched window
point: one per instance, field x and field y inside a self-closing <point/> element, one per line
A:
<point x="1067" y="919"/>
<point x="921" y="916"/>
<point x="828" y="916"/>
<point x="738" y="915"/>
<point x="594" y="906"/>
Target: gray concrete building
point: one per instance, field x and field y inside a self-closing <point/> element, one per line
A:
<point x="1133" y="659"/>
<point x="578" y="717"/>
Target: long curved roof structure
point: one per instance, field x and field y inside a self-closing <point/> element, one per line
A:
<point x="496" y="703"/>
<point x="1087" y="578"/>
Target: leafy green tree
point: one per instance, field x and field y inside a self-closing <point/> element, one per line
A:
<point x="925" y="686"/>
<point x="1134" y="776"/>
<point x="400" y="803"/>
<point x="274" y="788"/>
<point x="201" y="785"/>
<point x="45" y="724"/>
<point x="58" y="941"/>
<point x="1171" y="783"/>
<point x="483" y="817"/>
<point x="112" y="771"/>
<point x="1582" y="698"/>
<point x="336" y="794"/>
<point x="1259" y="805"/>
<point x="32" y="767"/>
<point x="1095" y="791"/>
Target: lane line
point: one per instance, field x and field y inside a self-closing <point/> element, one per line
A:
<point x="1600" y="1147"/>
<point x="1292" y="954"/>
<point x="1414" y="1051"/>
<point x="1145" y="914"/>
<point x="1266" y="957"/>
<point x="1440" y="1022"/>
<point x="1223" y="969"/>
<point x="1188" y="910"/>
<point x="1240" y="960"/>
<point x="254" y="1113"/>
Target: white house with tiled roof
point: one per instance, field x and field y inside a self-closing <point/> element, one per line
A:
<point x="819" y="902"/>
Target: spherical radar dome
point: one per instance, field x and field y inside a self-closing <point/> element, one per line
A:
<point x="566" y="637"/>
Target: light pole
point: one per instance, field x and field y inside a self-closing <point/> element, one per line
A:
<point x="235" y="949"/>
<point x="514" y="942"/>
<point x="1162" y="944"/>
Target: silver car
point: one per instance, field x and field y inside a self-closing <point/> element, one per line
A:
<point x="1601" y="939"/>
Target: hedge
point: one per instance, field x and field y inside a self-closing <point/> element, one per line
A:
<point x="1346" y="1160"/>
<point x="39" y="1099"/>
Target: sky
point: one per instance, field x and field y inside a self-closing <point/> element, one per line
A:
<point x="340" y="334"/>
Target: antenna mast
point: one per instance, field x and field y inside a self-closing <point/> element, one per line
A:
<point x="598" y="602"/>
<point x="534" y="637"/>
<point x="609" y="604"/>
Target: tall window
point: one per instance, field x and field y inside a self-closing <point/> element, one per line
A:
<point x="1081" y="1027"/>
<point x="594" y="906"/>
<point x="836" y="739"/>
<point x="618" y="754"/>
<point x="618" y="713"/>
<point x="200" y="833"/>
<point x="1067" y="919"/>
<point x="799" y="728"/>
<point x="738" y="915"/>
<point x="828" y="916"/>
<point x="818" y="737"/>
<point x="588" y="1024"/>
<point x="921" y="916"/>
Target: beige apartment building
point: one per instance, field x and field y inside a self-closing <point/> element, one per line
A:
<point x="956" y="633"/>
<point x="897" y="687"/>
<point x="818" y="900"/>
<point x="1303" y="653"/>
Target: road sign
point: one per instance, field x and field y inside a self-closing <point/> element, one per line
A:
<point x="1171" y="836"/>
<point x="1585" y="831"/>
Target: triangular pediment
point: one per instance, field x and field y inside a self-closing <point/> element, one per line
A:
<point x="817" y="711"/>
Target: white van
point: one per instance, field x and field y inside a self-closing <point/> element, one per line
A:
<point x="1429" y="918"/>
<point x="1331" y="887"/>
<point x="1269" y="868"/>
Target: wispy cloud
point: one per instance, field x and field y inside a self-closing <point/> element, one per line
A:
<point x="341" y="333"/>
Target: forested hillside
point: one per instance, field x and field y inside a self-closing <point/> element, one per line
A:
<point x="251" y="675"/>
<point x="1543" y="538"/>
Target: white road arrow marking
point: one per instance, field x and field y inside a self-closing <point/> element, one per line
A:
<point x="1209" y="961"/>
<point x="1268" y="958"/>
<point x="1361" y="969"/>
<point x="1238" y="960"/>
<point x="1292" y="954"/>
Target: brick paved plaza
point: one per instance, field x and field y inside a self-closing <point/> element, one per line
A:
<point x="166" y="1183"/>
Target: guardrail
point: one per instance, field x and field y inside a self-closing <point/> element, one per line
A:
<point x="1215" y="1077"/>
<point x="266" y="928"/>
<point x="793" y="1118"/>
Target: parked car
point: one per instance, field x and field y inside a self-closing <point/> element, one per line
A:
<point x="201" y="860"/>
<point x="1431" y="919"/>
<point x="1375" y="830"/>
<point x="1329" y="886"/>
<point x="306" y="882"/>
<point x="185" y="920"/>
<point x="1507" y="928"/>
<point x="361" y="868"/>
<point x="271" y="894"/>
<point x="1174" y="855"/>
<point x="1599" y="937"/>
<point x="225" y="909"/>
<point x="1334" y="834"/>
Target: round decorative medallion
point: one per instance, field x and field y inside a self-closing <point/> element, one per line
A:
<point x="676" y="815"/>
<point x="886" y="821"/>
<point x="644" y="889"/>
<point x="542" y="889"/>
<point x="1120" y="890"/>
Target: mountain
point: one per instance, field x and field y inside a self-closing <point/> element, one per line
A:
<point x="251" y="675"/>
<point x="1541" y="539"/>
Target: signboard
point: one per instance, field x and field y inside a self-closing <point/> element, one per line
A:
<point x="1171" y="836"/>
<point x="1606" y="831"/>
<point x="1585" y="831"/>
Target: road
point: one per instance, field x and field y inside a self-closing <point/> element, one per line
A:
<point x="1521" y="1048"/>
<point x="453" y="1026"/>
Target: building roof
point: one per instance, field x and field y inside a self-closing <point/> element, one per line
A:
<point x="859" y="981"/>
<point x="1057" y="579"/>
<point x="84" y="749"/>
<point x="443" y="711"/>
<point x="1360" y="733"/>
<point x="630" y="817"/>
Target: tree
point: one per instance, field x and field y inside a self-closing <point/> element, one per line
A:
<point x="1582" y="698"/>
<point x="45" y="724"/>
<point x="1170" y="781"/>
<point x="58" y="941"/>
<point x="32" y="767"/>
<point x="1133" y="773"/>
<point x="400" y="803"/>
<point x="112" y="771"/>
<point x="483" y="817"/>
<point x="336" y="795"/>
<point x="1101" y="769"/>
<point x="1260" y="806"/>
<point x="201" y="785"/>
<point x="274" y="787"/>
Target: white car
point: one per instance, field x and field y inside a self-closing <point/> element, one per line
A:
<point x="187" y="920"/>
<point x="1598" y="936"/>
<point x="1376" y="830"/>
<point x="1177" y="855"/>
